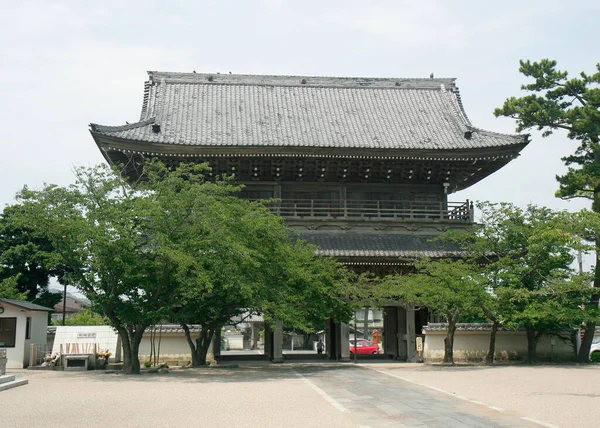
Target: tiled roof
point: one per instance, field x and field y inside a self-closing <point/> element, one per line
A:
<point x="281" y="111"/>
<point x="26" y="305"/>
<point x="442" y="326"/>
<point x="379" y="245"/>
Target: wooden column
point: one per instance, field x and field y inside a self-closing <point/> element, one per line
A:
<point x="277" y="356"/>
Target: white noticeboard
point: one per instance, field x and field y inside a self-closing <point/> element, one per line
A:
<point x="419" y="344"/>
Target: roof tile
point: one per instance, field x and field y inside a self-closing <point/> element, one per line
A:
<point x="279" y="111"/>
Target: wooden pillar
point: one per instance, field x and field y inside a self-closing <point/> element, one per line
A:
<point x="390" y="331"/>
<point x="331" y="340"/>
<point x="402" y="337"/>
<point x="344" y="342"/>
<point x="411" y="337"/>
<point x="268" y="351"/>
<point x="216" y="343"/>
<point x="277" y="356"/>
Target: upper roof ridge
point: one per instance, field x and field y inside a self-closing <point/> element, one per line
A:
<point x="309" y="81"/>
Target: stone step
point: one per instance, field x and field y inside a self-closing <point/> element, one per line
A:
<point x="13" y="383"/>
<point x="7" y="378"/>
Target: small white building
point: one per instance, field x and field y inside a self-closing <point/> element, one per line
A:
<point x="21" y="324"/>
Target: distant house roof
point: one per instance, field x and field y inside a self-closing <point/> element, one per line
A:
<point x="304" y="112"/>
<point x="73" y="305"/>
<point x="380" y="245"/>
<point x="25" y="305"/>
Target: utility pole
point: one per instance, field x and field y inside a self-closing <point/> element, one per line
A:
<point x="64" y="304"/>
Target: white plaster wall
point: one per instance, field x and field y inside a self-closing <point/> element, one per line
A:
<point x="173" y="345"/>
<point x="235" y="342"/>
<point x="39" y="331"/>
<point x="105" y="338"/>
<point x="16" y="355"/>
<point x="474" y="345"/>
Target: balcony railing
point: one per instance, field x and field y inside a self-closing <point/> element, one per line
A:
<point x="398" y="210"/>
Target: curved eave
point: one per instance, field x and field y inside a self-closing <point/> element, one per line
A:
<point x="108" y="142"/>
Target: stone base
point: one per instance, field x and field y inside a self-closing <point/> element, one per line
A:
<point x="76" y="362"/>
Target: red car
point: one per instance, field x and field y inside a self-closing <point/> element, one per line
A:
<point x="364" y="347"/>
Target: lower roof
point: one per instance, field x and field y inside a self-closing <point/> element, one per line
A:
<point x="26" y="305"/>
<point x="380" y="245"/>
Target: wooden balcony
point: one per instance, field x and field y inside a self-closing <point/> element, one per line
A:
<point x="375" y="210"/>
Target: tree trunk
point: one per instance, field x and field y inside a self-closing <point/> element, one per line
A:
<point x="136" y="339"/>
<point x="126" y="349"/>
<point x="202" y="345"/>
<point x="492" y="351"/>
<point x="584" y="350"/>
<point x="583" y="355"/>
<point x="449" y="340"/>
<point x="191" y="344"/>
<point x="532" y="341"/>
<point x="199" y="347"/>
<point x="131" y="345"/>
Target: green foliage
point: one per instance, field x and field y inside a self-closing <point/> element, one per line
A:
<point x="526" y="256"/>
<point x="572" y="104"/>
<point x="9" y="289"/>
<point x="27" y="260"/>
<point x="175" y="245"/>
<point x="254" y="266"/>
<point x="86" y="317"/>
<point x="595" y="357"/>
<point x="451" y="288"/>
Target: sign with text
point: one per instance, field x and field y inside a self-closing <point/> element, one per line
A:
<point x="86" y="335"/>
<point x="419" y="344"/>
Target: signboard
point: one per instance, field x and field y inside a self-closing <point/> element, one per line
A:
<point x="2" y="353"/>
<point x="419" y="344"/>
<point x="86" y="335"/>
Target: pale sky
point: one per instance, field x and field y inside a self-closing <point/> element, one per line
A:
<point x="64" y="64"/>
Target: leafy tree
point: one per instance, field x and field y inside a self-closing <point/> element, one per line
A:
<point x="27" y="259"/>
<point x="87" y="317"/>
<point x="255" y="267"/>
<point x="526" y="257"/>
<point x="558" y="102"/>
<point x="451" y="288"/>
<point x="128" y="246"/>
<point x="140" y="251"/>
<point x="9" y="289"/>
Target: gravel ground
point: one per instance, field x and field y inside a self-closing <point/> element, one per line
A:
<point x="562" y="395"/>
<point x="190" y="398"/>
<point x="276" y="396"/>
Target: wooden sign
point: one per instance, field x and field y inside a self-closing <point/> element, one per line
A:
<point x="419" y="344"/>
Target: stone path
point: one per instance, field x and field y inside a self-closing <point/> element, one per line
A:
<point x="375" y="399"/>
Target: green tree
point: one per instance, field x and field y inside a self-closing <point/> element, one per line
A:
<point x="450" y="288"/>
<point x="27" y="259"/>
<point x="526" y="256"/>
<point x="87" y="317"/>
<point x="146" y="251"/>
<point x="9" y="289"/>
<point x="255" y="267"/>
<point x="128" y="246"/>
<point x="557" y="102"/>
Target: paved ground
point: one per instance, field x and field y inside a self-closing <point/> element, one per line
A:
<point x="309" y="395"/>
<point x="562" y="395"/>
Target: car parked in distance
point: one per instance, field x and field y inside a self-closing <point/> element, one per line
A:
<point x="363" y="346"/>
